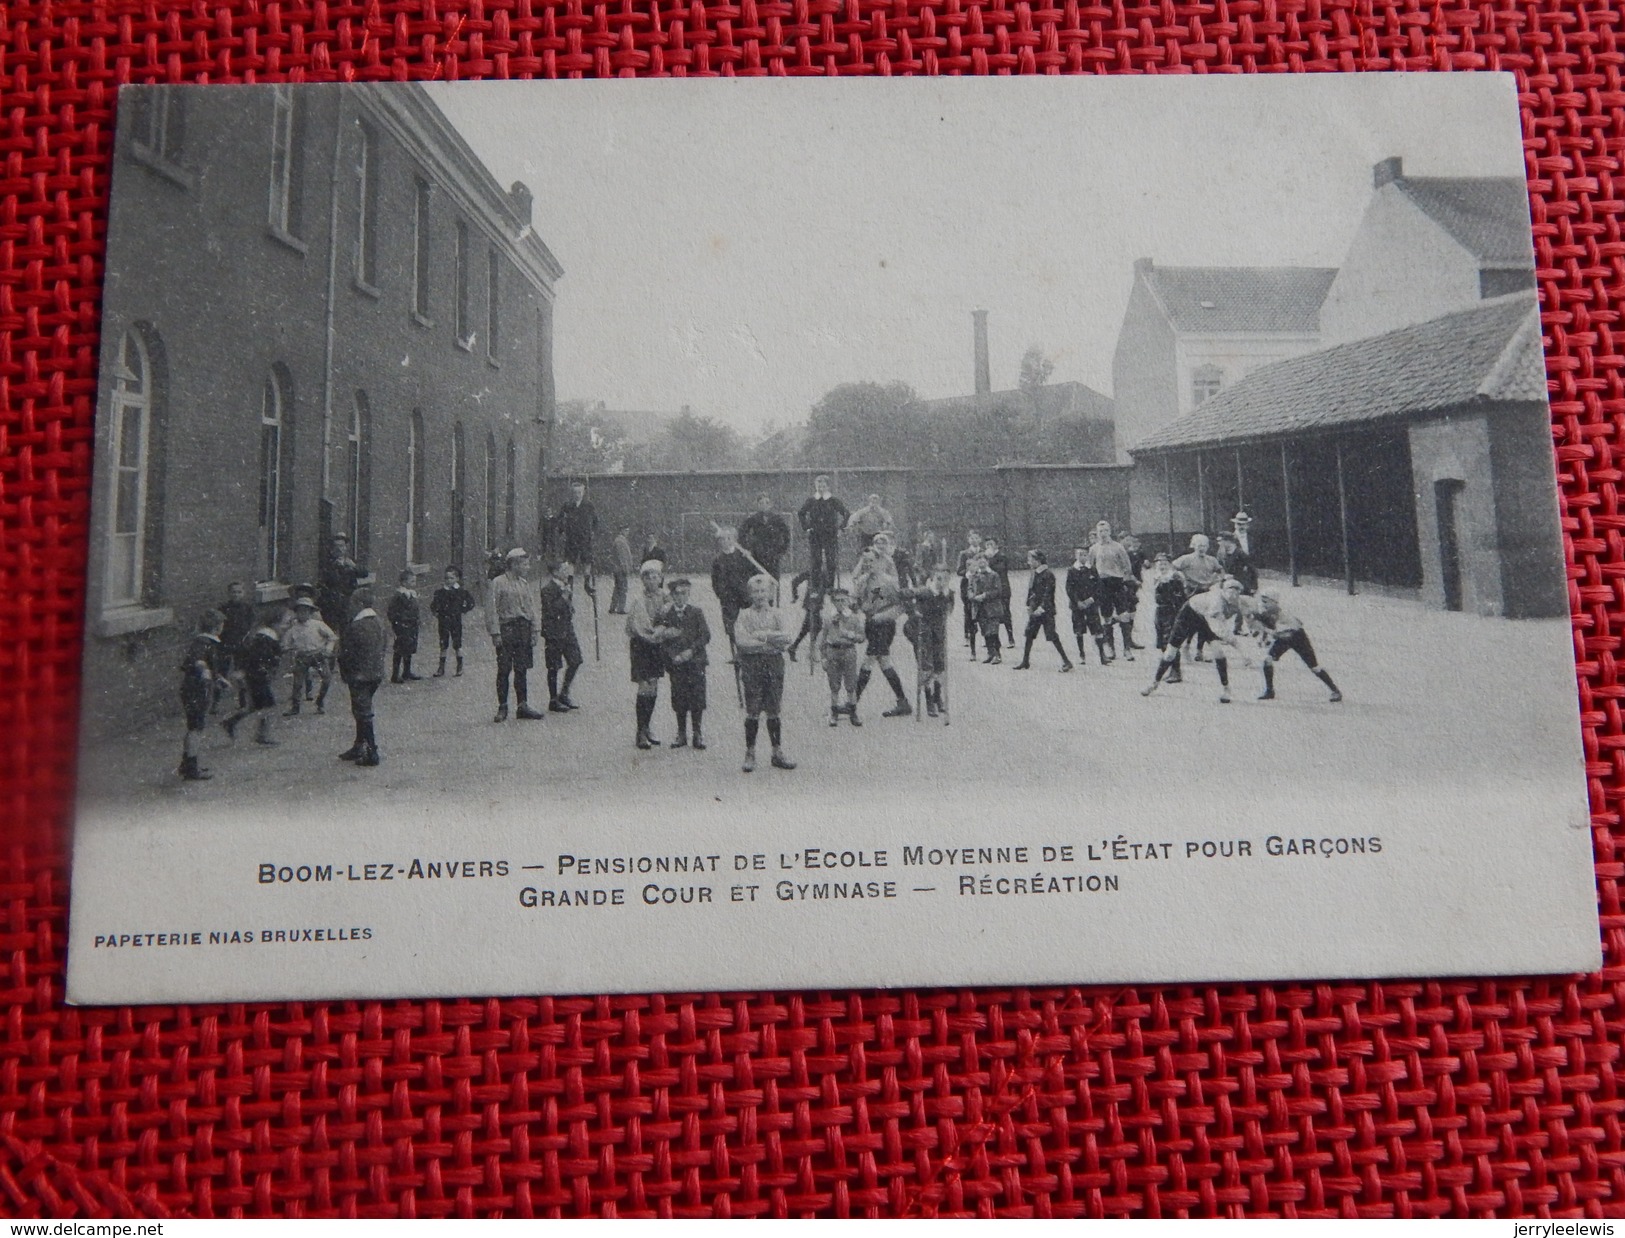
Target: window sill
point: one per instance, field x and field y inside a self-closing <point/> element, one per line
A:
<point x="155" y="162"/>
<point x="365" y="289"/>
<point x="421" y="320"/>
<point x="466" y="343"/>
<point x="270" y="591"/>
<point x="492" y="362"/>
<point x="287" y="238"/>
<point x="128" y="620"/>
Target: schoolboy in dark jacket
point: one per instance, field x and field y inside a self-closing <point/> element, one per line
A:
<point x="405" y="619"/>
<point x="1041" y="611"/>
<point x="448" y="606"/>
<point x="686" y="660"/>
<point x="563" y="649"/>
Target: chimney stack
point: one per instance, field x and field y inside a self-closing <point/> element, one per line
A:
<point x="1387" y="171"/>
<point x="984" y="374"/>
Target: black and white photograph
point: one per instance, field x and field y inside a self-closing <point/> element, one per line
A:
<point x="623" y="536"/>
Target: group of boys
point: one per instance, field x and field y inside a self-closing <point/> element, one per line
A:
<point x="242" y="646"/>
<point x="1204" y="599"/>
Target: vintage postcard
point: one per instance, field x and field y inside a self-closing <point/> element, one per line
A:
<point x="621" y="536"/>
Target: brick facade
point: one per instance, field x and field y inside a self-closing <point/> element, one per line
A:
<point x="264" y="249"/>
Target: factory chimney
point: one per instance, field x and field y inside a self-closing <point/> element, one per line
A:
<point x="984" y="375"/>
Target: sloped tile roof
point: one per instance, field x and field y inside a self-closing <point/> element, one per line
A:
<point x="1489" y="216"/>
<point x="1492" y="350"/>
<point x="1282" y="299"/>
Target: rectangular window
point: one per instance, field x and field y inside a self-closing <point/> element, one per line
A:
<point x="366" y="241"/>
<point x="420" y="250"/>
<point x="492" y="304"/>
<point x="287" y="180"/>
<point x="130" y="451"/>
<point x="465" y="328"/>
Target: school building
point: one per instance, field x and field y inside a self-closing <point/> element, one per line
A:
<point x="1411" y="451"/>
<point x="321" y="314"/>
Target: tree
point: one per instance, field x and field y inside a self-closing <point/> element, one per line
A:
<point x="859" y="424"/>
<point x="1035" y="370"/>
<point x="692" y="442"/>
<point x="585" y="440"/>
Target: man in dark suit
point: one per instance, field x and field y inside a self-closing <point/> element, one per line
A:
<point x="1041" y="611"/>
<point x="822" y="518"/>
<point x="575" y="527"/>
<point x="766" y="535"/>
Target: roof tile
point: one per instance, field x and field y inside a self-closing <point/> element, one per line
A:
<point x="1492" y="350"/>
<point x="1273" y="299"/>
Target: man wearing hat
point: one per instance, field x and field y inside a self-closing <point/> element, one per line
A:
<point x="511" y="619"/>
<point x="309" y="642"/>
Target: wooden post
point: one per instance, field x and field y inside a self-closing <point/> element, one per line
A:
<point x="1343" y="519"/>
<point x="1286" y="504"/>
<point x="1168" y="490"/>
<point x="1241" y="497"/>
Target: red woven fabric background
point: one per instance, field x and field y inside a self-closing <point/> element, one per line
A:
<point x="1453" y="1097"/>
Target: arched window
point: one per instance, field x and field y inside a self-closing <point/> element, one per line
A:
<point x="1205" y="383"/>
<point x="132" y="417"/>
<point x="510" y="497"/>
<point x="491" y="530"/>
<point x="273" y="477"/>
<point x="415" y="488"/>
<point x="458" y="489"/>
<point x="358" y="477"/>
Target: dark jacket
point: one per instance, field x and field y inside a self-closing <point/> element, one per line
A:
<point x="404" y="618"/>
<point x="730" y="579"/>
<point x="1080" y="586"/>
<point x="1237" y="564"/>
<point x="338" y="582"/>
<point x="694" y="633"/>
<point x="450" y="605"/>
<point x="1041" y="593"/>
<point x="361" y="650"/>
<point x="657" y="552"/>
<point x="574" y="528"/>
<point x="999" y="565"/>
<point x="823" y="517"/>
<point x="239" y="618"/>
<point x="767" y="536"/>
<point x="259" y="654"/>
<point x="558" y="612"/>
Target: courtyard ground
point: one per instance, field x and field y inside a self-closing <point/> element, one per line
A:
<point x="1432" y="699"/>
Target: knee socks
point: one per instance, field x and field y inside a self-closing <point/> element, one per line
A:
<point x="774" y="734"/>
<point x="863" y="682"/>
<point x="894" y="680"/>
<point x="751" y="725"/>
<point x="645" y="711"/>
<point x="552" y="683"/>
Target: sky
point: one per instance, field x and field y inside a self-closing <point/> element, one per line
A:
<point x="742" y="246"/>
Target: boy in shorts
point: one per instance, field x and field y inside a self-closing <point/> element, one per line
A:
<point x="257" y="658"/>
<point x="838" y="643"/>
<point x="761" y="635"/>
<point x="1284" y="634"/>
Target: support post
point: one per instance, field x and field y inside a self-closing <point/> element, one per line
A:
<point x="1241" y="497"/>
<point x="1168" y="491"/>
<point x="1343" y="519"/>
<point x="1286" y="506"/>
